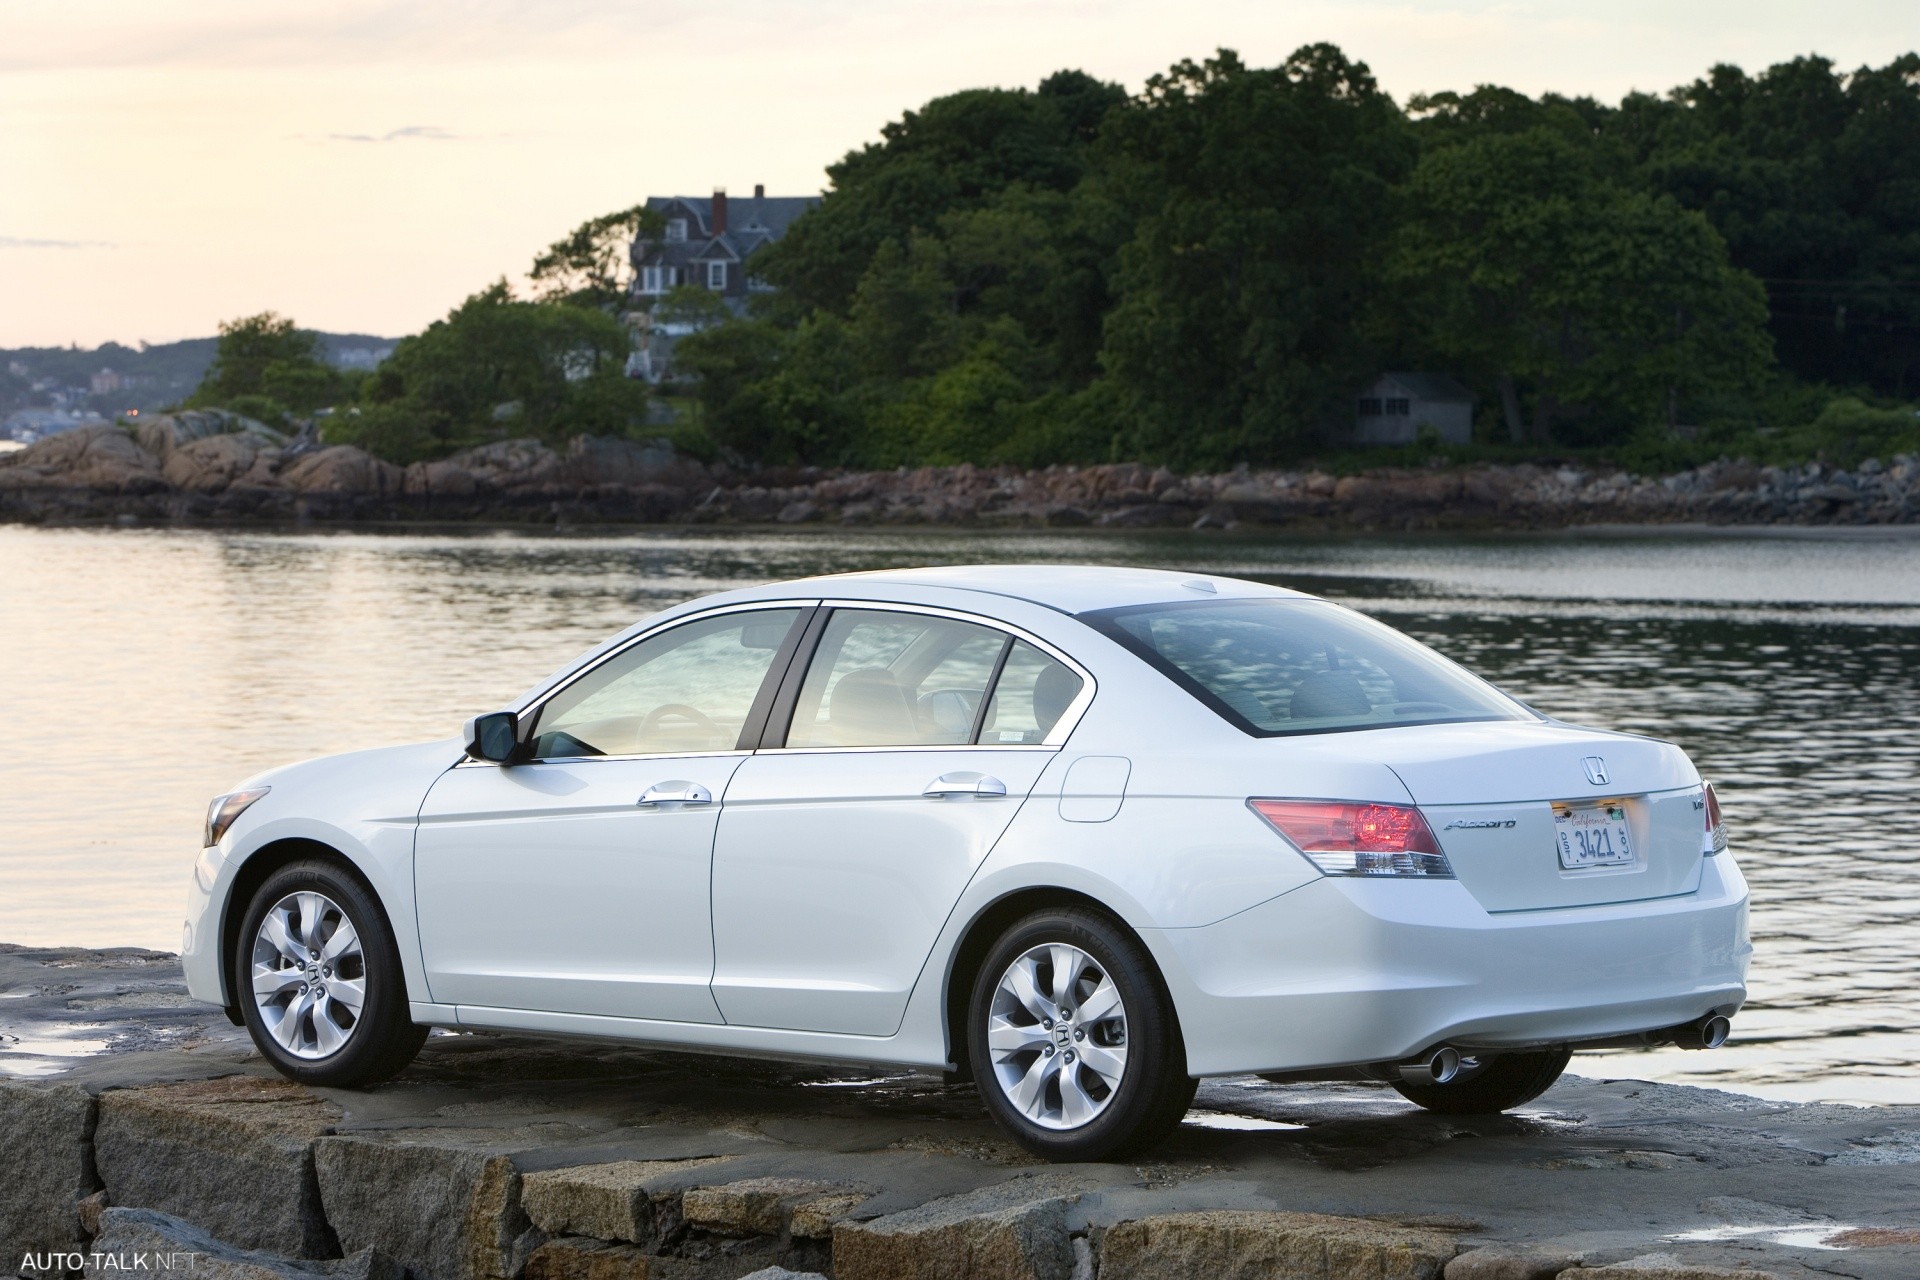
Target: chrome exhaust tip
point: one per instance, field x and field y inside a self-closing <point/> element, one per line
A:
<point x="1438" y="1067"/>
<point x="1709" y="1032"/>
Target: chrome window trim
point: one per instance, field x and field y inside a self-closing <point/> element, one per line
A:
<point x="957" y="746"/>
<point x="469" y="762"/>
<point x="1056" y="736"/>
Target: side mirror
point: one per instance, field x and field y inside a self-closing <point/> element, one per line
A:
<point x="494" y="737"/>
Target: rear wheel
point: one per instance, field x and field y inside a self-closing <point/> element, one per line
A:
<point x="319" y="982"/>
<point x="1073" y="1041"/>
<point x="1490" y="1084"/>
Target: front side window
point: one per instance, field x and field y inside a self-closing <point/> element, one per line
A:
<point x="716" y="275"/>
<point x="1301" y="666"/>
<point x="1369" y="406"/>
<point x="884" y="679"/>
<point x="690" y="688"/>
<point x="676" y="230"/>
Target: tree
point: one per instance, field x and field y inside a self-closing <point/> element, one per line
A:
<point x="957" y="152"/>
<point x="1521" y="267"/>
<point x="593" y="266"/>
<point x="495" y="367"/>
<point x="267" y="365"/>
<point x="1812" y="178"/>
<point x="1260" y="199"/>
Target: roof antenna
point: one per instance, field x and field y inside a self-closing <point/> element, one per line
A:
<point x="1201" y="584"/>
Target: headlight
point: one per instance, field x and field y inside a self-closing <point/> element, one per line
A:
<point x="224" y="809"/>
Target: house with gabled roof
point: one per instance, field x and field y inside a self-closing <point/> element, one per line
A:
<point x="1394" y="406"/>
<point x="708" y="239"/>
<point x="707" y="242"/>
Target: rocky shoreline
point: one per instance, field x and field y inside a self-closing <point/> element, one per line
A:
<point x="209" y="467"/>
<point x="136" y="1125"/>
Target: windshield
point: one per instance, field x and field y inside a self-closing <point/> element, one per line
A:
<point x="1278" y="666"/>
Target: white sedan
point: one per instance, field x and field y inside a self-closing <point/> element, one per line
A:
<point x="1084" y="835"/>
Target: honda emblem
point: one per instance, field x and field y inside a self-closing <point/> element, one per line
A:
<point x="1596" y="770"/>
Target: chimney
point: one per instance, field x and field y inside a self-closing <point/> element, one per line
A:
<point x="719" y="211"/>
<point x="759" y="191"/>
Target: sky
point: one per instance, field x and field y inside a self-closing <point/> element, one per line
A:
<point x="363" y="165"/>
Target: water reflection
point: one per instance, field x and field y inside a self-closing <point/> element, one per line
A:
<point x="145" y="671"/>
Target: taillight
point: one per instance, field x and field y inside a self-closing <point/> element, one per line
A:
<point x="1715" y="839"/>
<point x="1345" y="839"/>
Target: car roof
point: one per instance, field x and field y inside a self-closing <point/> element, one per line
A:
<point x="1071" y="588"/>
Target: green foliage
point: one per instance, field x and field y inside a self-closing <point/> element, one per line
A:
<point x="1813" y="179"/>
<point x="1260" y="200"/>
<point x="590" y="267"/>
<point x="1206" y="272"/>
<point x="956" y="153"/>
<point x="1848" y="430"/>
<point x="272" y="367"/>
<point x="1519" y="265"/>
<point x="497" y="367"/>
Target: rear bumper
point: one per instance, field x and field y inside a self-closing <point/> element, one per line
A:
<point x="1347" y="971"/>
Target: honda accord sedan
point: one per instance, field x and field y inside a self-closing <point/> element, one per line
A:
<point x="1081" y="835"/>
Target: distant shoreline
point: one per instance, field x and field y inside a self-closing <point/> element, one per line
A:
<point x="199" y="469"/>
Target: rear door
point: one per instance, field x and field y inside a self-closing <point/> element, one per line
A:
<point x="897" y="756"/>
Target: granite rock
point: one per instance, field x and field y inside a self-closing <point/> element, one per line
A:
<point x="48" y="1143"/>
<point x="769" y="1207"/>
<point x="233" y="1156"/>
<point x="445" y="1211"/>
<point x="342" y="469"/>
<point x="1011" y="1231"/>
<point x="133" y="1241"/>
<point x="627" y="1200"/>
<point x="1260" y="1245"/>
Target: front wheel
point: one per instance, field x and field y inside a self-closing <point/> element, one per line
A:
<point x="1073" y="1041"/>
<point x="319" y="980"/>
<point x="1487" y="1085"/>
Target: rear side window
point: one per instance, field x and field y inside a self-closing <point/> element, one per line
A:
<point x="881" y="678"/>
<point x="1034" y="691"/>
<point x="1284" y="666"/>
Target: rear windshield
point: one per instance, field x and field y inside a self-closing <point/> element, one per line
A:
<point x="1301" y="666"/>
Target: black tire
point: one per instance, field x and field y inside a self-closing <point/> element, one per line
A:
<point x="1154" y="1090"/>
<point x="382" y="1039"/>
<point x="1493" y="1084"/>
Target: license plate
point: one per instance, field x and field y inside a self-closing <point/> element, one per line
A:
<point x="1592" y="836"/>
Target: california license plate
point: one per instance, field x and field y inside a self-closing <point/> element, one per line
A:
<point x="1592" y="836"/>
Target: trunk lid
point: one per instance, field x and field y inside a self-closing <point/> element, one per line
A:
<point x="1490" y="791"/>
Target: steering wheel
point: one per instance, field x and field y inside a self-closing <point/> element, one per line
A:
<point x="684" y="712"/>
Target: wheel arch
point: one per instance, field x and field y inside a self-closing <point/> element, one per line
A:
<point x="254" y="872"/>
<point x="981" y="932"/>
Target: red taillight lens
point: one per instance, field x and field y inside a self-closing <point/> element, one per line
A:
<point x="1345" y="839"/>
<point x="1715" y="840"/>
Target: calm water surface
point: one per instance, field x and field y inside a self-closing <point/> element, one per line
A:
<point x="142" y="672"/>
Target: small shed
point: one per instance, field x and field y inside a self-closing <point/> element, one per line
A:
<point x="1394" y="406"/>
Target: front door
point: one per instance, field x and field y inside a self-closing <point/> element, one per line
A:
<point x="579" y="882"/>
<point x="841" y="853"/>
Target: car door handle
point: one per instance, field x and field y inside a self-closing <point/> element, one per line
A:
<point x="676" y="792"/>
<point x="980" y="785"/>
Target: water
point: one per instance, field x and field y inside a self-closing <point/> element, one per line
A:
<point x="145" y="671"/>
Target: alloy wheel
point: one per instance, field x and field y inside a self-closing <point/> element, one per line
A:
<point x="1057" y="1036"/>
<point x="309" y="975"/>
